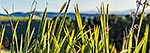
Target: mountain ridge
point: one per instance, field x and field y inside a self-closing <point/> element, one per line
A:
<point x="86" y="14"/>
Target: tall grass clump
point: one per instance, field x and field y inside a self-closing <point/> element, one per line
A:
<point x="54" y="36"/>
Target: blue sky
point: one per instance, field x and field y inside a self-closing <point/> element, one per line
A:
<point x="54" y="5"/>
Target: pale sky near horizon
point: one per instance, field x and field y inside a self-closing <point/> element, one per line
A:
<point x="54" y="5"/>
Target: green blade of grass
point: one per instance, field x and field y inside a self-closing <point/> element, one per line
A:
<point x="92" y="41"/>
<point x="48" y="34"/>
<point x="56" y="20"/>
<point x="62" y="21"/>
<point x="56" y="40"/>
<point x="70" y="41"/>
<point x="137" y="49"/>
<point x="130" y="41"/>
<point x="27" y="36"/>
<point x="33" y="30"/>
<point x="107" y="29"/>
<point x="32" y="46"/>
<point x="12" y="48"/>
<point x="21" y="42"/>
<point x="144" y="49"/>
<point x="44" y="44"/>
<point x="42" y="27"/>
<point x="77" y="36"/>
<point x="124" y="42"/>
<point x="96" y="35"/>
<point x="56" y="45"/>
<point x="79" y="22"/>
<point x="141" y="20"/>
<point x="2" y="36"/>
<point x="15" y="36"/>
<point x="113" y="49"/>
<point x="62" y="42"/>
<point x="104" y="28"/>
<point x="54" y="27"/>
<point x="10" y="19"/>
<point x="78" y="17"/>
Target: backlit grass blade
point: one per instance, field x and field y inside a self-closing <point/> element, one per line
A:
<point x="32" y="46"/>
<point x="48" y="34"/>
<point x="29" y="41"/>
<point x="77" y="36"/>
<point x="92" y="41"/>
<point x="42" y="27"/>
<point x="139" y="46"/>
<point x="10" y="19"/>
<point x="124" y="51"/>
<point x="21" y="42"/>
<point x="78" y="17"/>
<point x="101" y="44"/>
<point x="96" y="35"/>
<point x="15" y="36"/>
<point x="44" y="44"/>
<point x="79" y="22"/>
<point x="2" y="36"/>
<point x="113" y="50"/>
<point x="56" y="45"/>
<point x="56" y="20"/>
<point x="33" y="30"/>
<point x="54" y="27"/>
<point x="141" y="20"/>
<point x="104" y="28"/>
<point x="12" y="48"/>
<point x="107" y="29"/>
<point x="27" y="36"/>
<point x="144" y="49"/>
<point x="34" y="5"/>
<point x="130" y="41"/>
<point x="124" y="42"/>
<point x="83" y="48"/>
<point x="62" y="21"/>
<point x="62" y="42"/>
<point x="12" y="27"/>
<point x="70" y="41"/>
<point x="143" y="42"/>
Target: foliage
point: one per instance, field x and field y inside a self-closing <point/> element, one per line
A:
<point x="55" y="36"/>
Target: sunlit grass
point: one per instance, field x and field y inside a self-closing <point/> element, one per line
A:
<point x="51" y="40"/>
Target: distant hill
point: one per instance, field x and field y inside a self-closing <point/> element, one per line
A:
<point x="2" y="14"/>
<point x="87" y="14"/>
<point x="49" y="14"/>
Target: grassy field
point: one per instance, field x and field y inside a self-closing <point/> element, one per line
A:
<point x="106" y="33"/>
